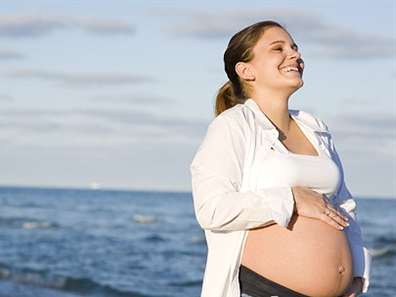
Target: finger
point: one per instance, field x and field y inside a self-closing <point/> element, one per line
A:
<point x="335" y="210"/>
<point x="340" y="214"/>
<point x="325" y="218"/>
<point x="332" y="208"/>
<point x="335" y="217"/>
<point x="327" y="211"/>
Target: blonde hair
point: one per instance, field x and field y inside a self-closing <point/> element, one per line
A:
<point x="239" y="49"/>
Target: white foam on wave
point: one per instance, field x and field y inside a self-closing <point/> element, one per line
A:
<point x="37" y="225"/>
<point x="145" y="219"/>
<point x="4" y="272"/>
<point x="382" y="251"/>
<point x="197" y="239"/>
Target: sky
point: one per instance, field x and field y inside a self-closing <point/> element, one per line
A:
<point x="120" y="93"/>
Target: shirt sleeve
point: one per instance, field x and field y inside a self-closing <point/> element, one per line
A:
<point x="361" y="256"/>
<point x="217" y="172"/>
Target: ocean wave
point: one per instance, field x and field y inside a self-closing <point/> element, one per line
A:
<point x="44" y="279"/>
<point x="155" y="238"/>
<point x="38" y="225"/>
<point x="187" y="284"/>
<point x="387" y="239"/>
<point x="383" y="251"/>
<point x="26" y="223"/>
<point x="198" y="239"/>
<point x="383" y="246"/>
<point x="145" y="219"/>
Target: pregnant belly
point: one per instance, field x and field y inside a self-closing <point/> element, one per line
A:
<point x="309" y="256"/>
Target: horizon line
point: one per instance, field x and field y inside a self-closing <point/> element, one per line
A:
<point x="174" y="191"/>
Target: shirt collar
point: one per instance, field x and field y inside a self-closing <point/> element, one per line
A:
<point x="300" y="116"/>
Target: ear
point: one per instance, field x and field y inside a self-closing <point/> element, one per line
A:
<point x="244" y="71"/>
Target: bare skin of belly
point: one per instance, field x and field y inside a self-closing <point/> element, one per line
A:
<point x="309" y="256"/>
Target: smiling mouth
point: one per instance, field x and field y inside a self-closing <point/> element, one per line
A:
<point x="290" y="69"/>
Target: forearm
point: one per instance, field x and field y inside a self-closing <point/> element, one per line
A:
<point x="221" y="208"/>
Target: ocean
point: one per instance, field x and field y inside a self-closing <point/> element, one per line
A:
<point x="68" y="243"/>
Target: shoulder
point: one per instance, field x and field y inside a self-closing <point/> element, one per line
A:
<point x="235" y="117"/>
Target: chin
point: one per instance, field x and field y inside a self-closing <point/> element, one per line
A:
<point x="297" y="85"/>
<point x="301" y="84"/>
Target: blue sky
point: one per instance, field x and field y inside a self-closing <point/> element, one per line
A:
<point x="121" y="92"/>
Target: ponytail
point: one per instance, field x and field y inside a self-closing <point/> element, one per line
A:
<point x="226" y="98"/>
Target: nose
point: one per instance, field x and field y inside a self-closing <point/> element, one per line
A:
<point x="294" y="54"/>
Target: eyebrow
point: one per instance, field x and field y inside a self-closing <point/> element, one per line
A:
<point x="283" y="42"/>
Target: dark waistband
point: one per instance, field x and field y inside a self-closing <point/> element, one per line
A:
<point x="256" y="285"/>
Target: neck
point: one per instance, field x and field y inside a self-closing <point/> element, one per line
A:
<point x="275" y="107"/>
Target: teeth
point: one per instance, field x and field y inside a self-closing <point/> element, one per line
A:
<point x="288" y="69"/>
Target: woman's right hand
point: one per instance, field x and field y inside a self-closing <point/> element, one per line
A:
<point x="310" y="204"/>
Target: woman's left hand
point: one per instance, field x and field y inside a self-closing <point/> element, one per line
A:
<point x="355" y="289"/>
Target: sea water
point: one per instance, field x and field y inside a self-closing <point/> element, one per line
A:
<point x="67" y="243"/>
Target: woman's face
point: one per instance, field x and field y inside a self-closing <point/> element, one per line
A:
<point x="276" y="62"/>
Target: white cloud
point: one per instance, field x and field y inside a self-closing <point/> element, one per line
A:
<point x="58" y="128"/>
<point x="8" y="54"/>
<point x="104" y="126"/>
<point x="86" y="79"/>
<point x="223" y="24"/>
<point x="38" y="24"/>
<point x="373" y="132"/>
<point x="6" y="97"/>
<point x="345" y="44"/>
<point x="331" y="41"/>
<point x="166" y="125"/>
<point x="134" y="99"/>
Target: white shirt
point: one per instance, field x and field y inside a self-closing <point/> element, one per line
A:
<point x="286" y="169"/>
<point x="230" y="199"/>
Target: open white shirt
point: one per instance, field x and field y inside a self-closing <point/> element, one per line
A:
<point x="229" y="201"/>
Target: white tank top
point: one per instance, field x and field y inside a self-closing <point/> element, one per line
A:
<point x="284" y="168"/>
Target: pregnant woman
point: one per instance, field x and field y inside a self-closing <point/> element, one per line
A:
<point x="268" y="185"/>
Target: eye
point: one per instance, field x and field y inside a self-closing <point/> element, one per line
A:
<point x="278" y="49"/>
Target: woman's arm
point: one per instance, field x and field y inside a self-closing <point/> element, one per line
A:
<point x="217" y="173"/>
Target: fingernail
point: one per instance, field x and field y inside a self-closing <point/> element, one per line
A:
<point x="347" y="224"/>
<point x="341" y="228"/>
